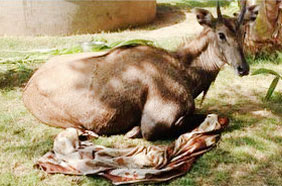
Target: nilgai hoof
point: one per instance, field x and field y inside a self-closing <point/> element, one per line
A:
<point x="87" y="135"/>
<point x="135" y="132"/>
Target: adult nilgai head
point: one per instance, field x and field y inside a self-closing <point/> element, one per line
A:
<point x="229" y="35"/>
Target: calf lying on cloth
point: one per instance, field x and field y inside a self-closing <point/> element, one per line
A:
<point x="151" y="163"/>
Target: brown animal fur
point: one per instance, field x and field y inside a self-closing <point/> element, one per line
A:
<point x="112" y="92"/>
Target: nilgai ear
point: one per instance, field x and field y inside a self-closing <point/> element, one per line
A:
<point x="204" y="17"/>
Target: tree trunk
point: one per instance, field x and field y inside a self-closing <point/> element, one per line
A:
<point x="266" y="32"/>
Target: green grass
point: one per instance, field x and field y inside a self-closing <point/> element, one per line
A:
<point x="195" y="3"/>
<point x="249" y="152"/>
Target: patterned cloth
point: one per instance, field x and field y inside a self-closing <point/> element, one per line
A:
<point x="70" y="155"/>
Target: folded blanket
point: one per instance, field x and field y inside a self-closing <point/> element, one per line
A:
<point x="151" y="163"/>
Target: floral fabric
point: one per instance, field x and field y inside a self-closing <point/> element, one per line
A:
<point x="70" y="155"/>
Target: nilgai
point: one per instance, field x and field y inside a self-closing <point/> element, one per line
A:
<point x="137" y="85"/>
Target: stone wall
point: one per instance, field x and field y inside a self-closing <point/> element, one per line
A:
<point x="67" y="17"/>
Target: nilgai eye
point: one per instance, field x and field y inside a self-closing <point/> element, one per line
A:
<point x="221" y="36"/>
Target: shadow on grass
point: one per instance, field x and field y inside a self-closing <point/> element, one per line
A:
<point x="243" y="115"/>
<point x="16" y="77"/>
<point x="274" y="104"/>
<point x="167" y="15"/>
<point x="218" y="167"/>
<point x="265" y="57"/>
<point x="97" y="180"/>
<point x="173" y="13"/>
<point x="246" y="112"/>
<point x="31" y="149"/>
<point x="200" y="3"/>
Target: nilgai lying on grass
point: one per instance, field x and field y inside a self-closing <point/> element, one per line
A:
<point x="137" y="85"/>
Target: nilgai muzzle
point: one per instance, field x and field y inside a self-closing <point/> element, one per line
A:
<point x="139" y="85"/>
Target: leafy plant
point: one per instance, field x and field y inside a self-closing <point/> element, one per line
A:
<point x="96" y="46"/>
<point x="15" y="71"/>
<point x="274" y="82"/>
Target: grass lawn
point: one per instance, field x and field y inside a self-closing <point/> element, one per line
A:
<point x="250" y="149"/>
